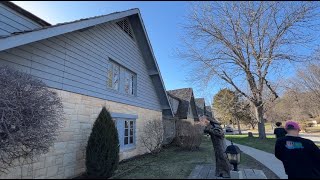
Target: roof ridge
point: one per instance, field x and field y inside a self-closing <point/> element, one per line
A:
<point x="97" y="16"/>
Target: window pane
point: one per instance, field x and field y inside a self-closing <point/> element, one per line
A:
<point x="109" y="76"/>
<point x="126" y="132"/>
<point x="116" y="76"/>
<point x="125" y="124"/>
<point x="129" y="77"/>
<point x="131" y="132"/>
<point x="131" y="124"/>
<point x="131" y="139"/>
<point x="125" y="140"/>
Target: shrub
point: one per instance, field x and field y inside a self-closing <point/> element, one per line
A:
<point x="188" y="136"/>
<point x="152" y="135"/>
<point x="102" y="153"/>
<point x="30" y="115"/>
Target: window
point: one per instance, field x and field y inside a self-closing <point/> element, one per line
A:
<point x="113" y="76"/>
<point x="129" y="83"/>
<point x="121" y="79"/>
<point x="128" y="132"/>
<point x="126" y="126"/>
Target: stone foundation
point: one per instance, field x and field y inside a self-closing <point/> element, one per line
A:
<point x="66" y="158"/>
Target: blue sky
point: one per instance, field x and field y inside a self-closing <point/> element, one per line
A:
<point x="162" y="20"/>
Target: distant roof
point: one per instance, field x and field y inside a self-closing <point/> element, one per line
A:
<point x="185" y="97"/>
<point x="25" y="13"/>
<point x="200" y="103"/>
<point x="208" y="111"/>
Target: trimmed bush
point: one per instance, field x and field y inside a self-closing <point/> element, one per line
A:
<point x="188" y="136"/>
<point x="102" y="154"/>
<point x="152" y="135"/>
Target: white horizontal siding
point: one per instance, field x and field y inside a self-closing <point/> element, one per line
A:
<point x="77" y="62"/>
<point x="11" y="21"/>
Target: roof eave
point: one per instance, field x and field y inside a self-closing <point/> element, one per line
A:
<point x="25" y="38"/>
<point x="25" y="13"/>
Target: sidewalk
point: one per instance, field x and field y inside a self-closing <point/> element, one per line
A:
<point x="267" y="159"/>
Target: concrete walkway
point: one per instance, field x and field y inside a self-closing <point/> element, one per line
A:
<point x="267" y="159"/>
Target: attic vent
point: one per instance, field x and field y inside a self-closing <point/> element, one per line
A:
<point x="124" y="25"/>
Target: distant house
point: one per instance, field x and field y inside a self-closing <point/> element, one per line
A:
<point x="183" y="104"/>
<point x="201" y="106"/>
<point x="208" y="111"/>
<point x="100" y="61"/>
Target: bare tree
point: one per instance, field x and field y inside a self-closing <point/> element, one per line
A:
<point x="30" y="115"/>
<point x="152" y="135"/>
<point x="248" y="114"/>
<point x="309" y="79"/>
<point x="241" y="43"/>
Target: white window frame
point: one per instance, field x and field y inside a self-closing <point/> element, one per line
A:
<point x="120" y="120"/>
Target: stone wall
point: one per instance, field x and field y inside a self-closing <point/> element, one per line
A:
<point x="66" y="158"/>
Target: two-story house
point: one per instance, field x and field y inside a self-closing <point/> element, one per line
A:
<point x="94" y="62"/>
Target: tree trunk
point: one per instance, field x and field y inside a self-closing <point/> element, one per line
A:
<point x="239" y="128"/>
<point x="259" y="116"/>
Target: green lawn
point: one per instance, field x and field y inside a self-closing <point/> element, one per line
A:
<point x="265" y="144"/>
<point x="176" y="164"/>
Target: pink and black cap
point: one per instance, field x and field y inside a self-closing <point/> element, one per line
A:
<point x="292" y="125"/>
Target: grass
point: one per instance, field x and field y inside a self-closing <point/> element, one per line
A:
<point x="170" y="163"/>
<point x="177" y="164"/>
<point x="264" y="145"/>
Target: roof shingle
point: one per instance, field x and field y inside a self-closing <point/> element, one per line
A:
<point x="184" y="95"/>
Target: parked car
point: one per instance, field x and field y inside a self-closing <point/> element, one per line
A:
<point x="229" y="129"/>
<point x="311" y="123"/>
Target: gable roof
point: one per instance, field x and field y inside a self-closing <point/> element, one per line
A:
<point x="185" y="95"/>
<point x="200" y="103"/>
<point x="25" y="13"/>
<point x="26" y="37"/>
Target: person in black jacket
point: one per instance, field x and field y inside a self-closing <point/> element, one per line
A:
<point x="279" y="131"/>
<point x="300" y="157"/>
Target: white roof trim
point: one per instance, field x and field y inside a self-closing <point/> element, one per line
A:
<point x="29" y="37"/>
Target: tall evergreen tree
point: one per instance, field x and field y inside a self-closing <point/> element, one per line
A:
<point x="102" y="154"/>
